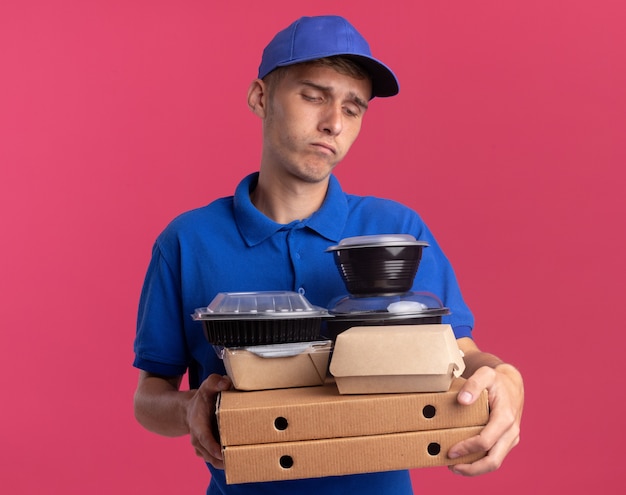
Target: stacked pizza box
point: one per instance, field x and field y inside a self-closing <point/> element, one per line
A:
<point x="342" y="428"/>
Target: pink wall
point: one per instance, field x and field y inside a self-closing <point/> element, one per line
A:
<point x="508" y="137"/>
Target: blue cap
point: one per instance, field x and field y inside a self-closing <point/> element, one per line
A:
<point x="312" y="38"/>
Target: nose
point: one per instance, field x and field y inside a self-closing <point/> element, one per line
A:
<point x="331" y="121"/>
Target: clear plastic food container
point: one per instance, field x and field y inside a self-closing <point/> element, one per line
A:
<point x="257" y="318"/>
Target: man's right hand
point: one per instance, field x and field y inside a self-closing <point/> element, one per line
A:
<point x="201" y="419"/>
<point x="161" y="407"/>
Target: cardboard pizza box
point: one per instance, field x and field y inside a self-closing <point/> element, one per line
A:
<point x="341" y="456"/>
<point x="309" y="413"/>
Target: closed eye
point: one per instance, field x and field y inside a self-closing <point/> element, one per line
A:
<point x="309" y="97"/>
<point x="352" y="111"/>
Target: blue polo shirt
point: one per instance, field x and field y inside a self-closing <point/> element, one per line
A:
<point x="230" y="246"/>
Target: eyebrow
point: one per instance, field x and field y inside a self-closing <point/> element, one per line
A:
<point x="328" y="89"/>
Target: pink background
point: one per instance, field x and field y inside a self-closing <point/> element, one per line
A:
<point x="508" y="137"/>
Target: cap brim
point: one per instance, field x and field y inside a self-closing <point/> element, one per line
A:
<point x="384" y="81"/>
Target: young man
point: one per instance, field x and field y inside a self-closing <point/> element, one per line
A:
<point x="315" y="81"/>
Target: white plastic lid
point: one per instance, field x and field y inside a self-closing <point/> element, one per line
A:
<point x="288" y="349"/>
<point x="261" y="304"/>
<point x="378" y="240"/>
<point x="408" y="303"/>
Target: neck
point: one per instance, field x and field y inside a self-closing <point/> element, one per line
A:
<point x="287" y="201"/>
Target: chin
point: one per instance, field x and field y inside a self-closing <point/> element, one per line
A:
<point x="314" y="174"/>
<point x="314" y="177"/>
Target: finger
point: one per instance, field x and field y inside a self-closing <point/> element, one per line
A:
<point x="495" y="454"/>
<point x="215" y="462"/>
<point x="484" y="378"/>
<point x="492" y="461"/>
<point x="501" y="425"/>
<point x="483" y="466"/>
<point x="477" y="443"/>
<point x="208" y="448"/>
<point x="215" y="383"/>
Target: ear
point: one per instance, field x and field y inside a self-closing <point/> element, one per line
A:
<point x="257" y="98"/>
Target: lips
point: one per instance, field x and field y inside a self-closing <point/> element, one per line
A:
<point x="329" y="148"/>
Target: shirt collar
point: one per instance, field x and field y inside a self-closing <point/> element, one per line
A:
<point x="255" y="227"/>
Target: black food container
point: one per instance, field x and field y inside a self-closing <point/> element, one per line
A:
<point x="378" y="264"/>
<point x="409" y="308"/>
<point x="236" y="319"/>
